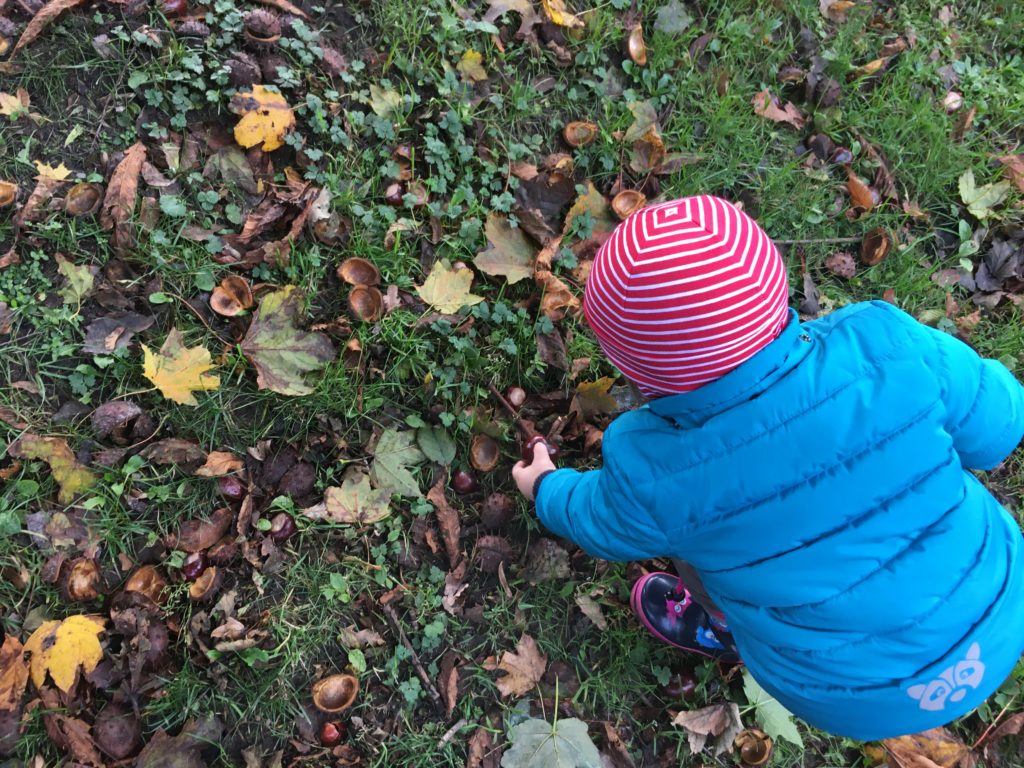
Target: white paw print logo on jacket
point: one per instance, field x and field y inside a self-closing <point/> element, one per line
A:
<point x="952" y="684"/>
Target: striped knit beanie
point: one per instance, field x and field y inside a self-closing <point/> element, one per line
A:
<point x="685" y="291"/>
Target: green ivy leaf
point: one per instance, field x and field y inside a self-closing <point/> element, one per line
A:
<point x="775" y="719"/>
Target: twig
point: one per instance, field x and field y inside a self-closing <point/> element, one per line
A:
<point x="202" y="319"/>
<point x="819" y="240"/>
<point x="392" y="618"/>
<point x="450" y="733"/>
<point x="993" y="724"/>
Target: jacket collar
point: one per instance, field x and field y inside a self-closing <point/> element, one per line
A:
<point x="692" y="409"/>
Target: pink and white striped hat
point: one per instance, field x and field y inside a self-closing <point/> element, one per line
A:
<point x="685" y="291"/>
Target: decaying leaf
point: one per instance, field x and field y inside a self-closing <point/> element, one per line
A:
<point x="119" y="202"/>
<point x="448" y="290"/>
<point x="184" y="750"/>
<point x="395" y="453"/>
<point x="593" y="398"/>
<point x="14" y="105"/>
<point x="560" y="15"/>
<point x="198" y="535"/>
<point x="564" y="744"/>
<point x="13" y="675"/>
<point x="768" y="106"/>
<point x="860" y="193"/>
<point x="266" y="118"/>
<point x="774" y="718"/>
<point x="354" y="502"/>
<point x="178" y="371"/>
<point x="524" y="667"/>
<point x="529" y="18"/>
<point x="835" y="10"/>
<point x="62" y="648"/>
<point x="39" y="21"/>
<point x="72" y="477"/>
<point x="283" y="354"/>
<point x="471" y="66"/>
<point x="1014" y="165"/>
<point x="509" y="251"/>
<point x="720" y="722"/>
<point x="593" y="204"/>
<point x="557" y="297"/>
<point x="592" y="611"/>
<point x="938" y="745"/>
<point x="219" y="463"/>
<point x="173" y="450"/>
<point x="447" y="521"/>
<point x="80" y="280"/>
<point x="981" y="200"/>
<point x="108" y="334"/>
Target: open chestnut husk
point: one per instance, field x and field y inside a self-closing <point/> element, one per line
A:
<point x="484" y="453"/>
<point x="357" y="271"/>
<point x="206" y="586"/>
<point x="366" y="303"/>
<point x="82" y="581"/>
<point x="335" y="693"/>
<point x="148" y="581"/>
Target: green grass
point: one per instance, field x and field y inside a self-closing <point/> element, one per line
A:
<point x="463" y="143"/>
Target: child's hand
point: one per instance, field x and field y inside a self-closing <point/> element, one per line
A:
<point x="526" y="475"/>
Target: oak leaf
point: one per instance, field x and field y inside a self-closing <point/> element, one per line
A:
<point x="283" y="354"/>
<point x="529" y="18"/>
<point x="73" y="478"/>
<point x="524" y="667"/>
<point x="178" y="371"/>
<point x="448" y="290"/>
<point x="62" y="648"/>
<point x="266" y="118"/>
<point x="509" y="251"/>
<point x="769" y="107"/>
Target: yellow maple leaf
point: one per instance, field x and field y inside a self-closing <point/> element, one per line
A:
<point x="72" y="477"/>
<point x="178" y="371"/>
<point x="266" y="118"/>
<point x="447" y="289"/>
<point x="63" y="647"/>
<point x="12" y="105"/>
<point x="49" y="173"/>
<point x="471" y="65"/>
<point x="559" y="14"/>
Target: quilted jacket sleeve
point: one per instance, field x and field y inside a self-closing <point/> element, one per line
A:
<point x="593" y="509"/>
<point x="984" y="401"/>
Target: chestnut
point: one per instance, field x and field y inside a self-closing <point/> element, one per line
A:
<point x="680" y="685"/>
<point x="282" y="527"/>
<point x="464" y="482"/>
<point x="194" y="566"/>
<point x="393" y="194"/>
<point x="528" y="446"/>
<point x="231" y="487"/>
<point x="173" y="8"/>
<point x="331" y="734"/>
<point x="516" y="396"/>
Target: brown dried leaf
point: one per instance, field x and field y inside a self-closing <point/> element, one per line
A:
<point x="616" y="751"/>
<point x="509" y="252"/>
<point x="13" y="675"/>
<point x="198" y="535"/>
<point x="447" y="520"/>
<point x="720" y="721"/>
<point x="119" y="202"/>
<point x="939" y="746"/>
<point x="108" y="334"/>
<point x="448" y="681"/>
<point x="455" y="586"/>
<point x="835" y="10"/>
<point x="39" y="21"/>
<point x="173" y="450"/>
<point x="1014" y="165"/>
<point x="769" y="107"/>
<point x="479" y="750"/>
<point x="593" y="398"/>
<point x="525" y="667"/>
<point x="218" y="464"/>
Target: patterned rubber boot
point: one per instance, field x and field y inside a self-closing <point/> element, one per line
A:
<point x="665" y="608"/>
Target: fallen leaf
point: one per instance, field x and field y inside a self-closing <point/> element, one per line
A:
<point x="448" y="681"/>
<point x="551" y="349"/>
<point x="285" y="7"/>
<point x="673" y="18"/>
<point x="860" y="193"/>
<point x="266" y="118"/>
<point x="69" y="733"/>
<point x="355" y="502"/>
<point x="835" y="10"/>
<point x="645" y="118"/>
<point x="545" y="561"/>
<point x="384" y="103"/>
<point x="38" y="23"/>
<point x="540" y="201"/>
<point x="72" y="477"/>
<point x="557" y="297"/>
<point x="593" y="204"/>
<point x="218" y="464"/>
<point x="455" y="586"/>
<point x="768" y="106"/>
<point x="529" y="18"/>
<point x="119" y="201"/>
<point x="62" y="648"/>
<point x="13" y="105"/>
<point x="46" y="172"/>
<point x="559" y="14"/>
<point x="437" y="445"/>
<point x="350" y="637"/>
<point x="178" y="371"/>
<point x="592" y="611"/>
<point x="447" y="520"/>
<point x="719" y="721"/>
<point x="173" y="450"/>
<point x="937" y="745"/>
<point x="448" y="290"/>
<point x="524" y="667"/>
<point x="471" y="66"/>
<point x="80" y="280"/>
<point x="198" y="535"/>
<point x="593" y="398"/>
<point x="509" y="252"/>
<point x="394" y="454"/>
<point x="774" y="718"/>
<point x="113" y="332"/>
<point x="283" y="354"/>
<point x="616" y="752"/>
<point x="184" y="750"/>
<point x="981" y="200"/>
<point x="1014" y="165"/>
<point x="13" y="675"/>
<point x="564" y="744"/>
<point x="810" y="304"/>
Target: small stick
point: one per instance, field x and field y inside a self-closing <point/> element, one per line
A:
<point x="392" y="617"/>
<point x="450" y="733"/>
<point x="516" y="418"/>
<point x="819" y="240"/>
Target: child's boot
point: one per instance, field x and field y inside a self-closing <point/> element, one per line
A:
<point x="665" y="607"/>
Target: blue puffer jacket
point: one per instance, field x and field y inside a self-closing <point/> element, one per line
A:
<point x="822" y="491"/>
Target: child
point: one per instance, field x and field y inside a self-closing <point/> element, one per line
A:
<point x="815" y="477"/>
